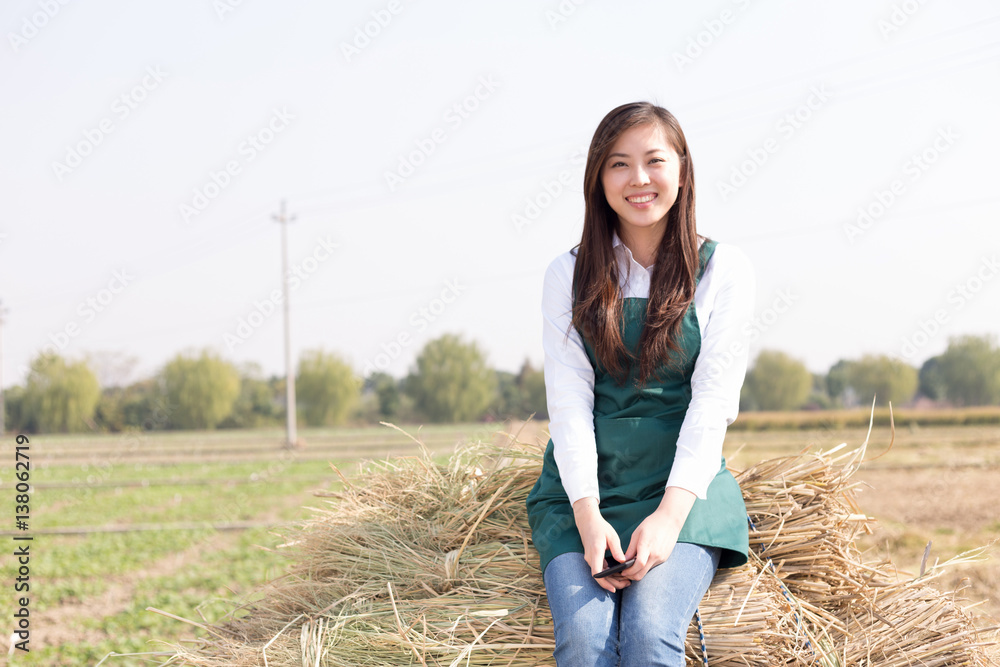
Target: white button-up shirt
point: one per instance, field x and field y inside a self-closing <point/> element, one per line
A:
<point x="724" y="303"/>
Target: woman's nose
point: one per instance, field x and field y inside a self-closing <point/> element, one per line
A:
<point x="639" y="176"/>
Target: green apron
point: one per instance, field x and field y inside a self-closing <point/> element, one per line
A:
<point x="636" y="434"/>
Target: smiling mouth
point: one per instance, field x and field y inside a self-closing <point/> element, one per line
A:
<point x="641" y="199"/>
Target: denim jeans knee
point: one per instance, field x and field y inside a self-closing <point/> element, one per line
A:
<point x="657" y="610"/>
<point x="584" y="615"/>
<point x="643" y="625"/>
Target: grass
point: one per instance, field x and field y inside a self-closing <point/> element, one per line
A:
<point x="89" y="593"/>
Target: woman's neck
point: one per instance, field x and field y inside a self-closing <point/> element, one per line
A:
<point x="642" y="242"/>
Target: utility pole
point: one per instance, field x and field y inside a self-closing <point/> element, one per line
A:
<point x="292" y="440"/>
<point x="3" y="408"/>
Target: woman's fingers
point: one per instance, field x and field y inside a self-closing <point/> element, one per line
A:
<point x="615" y="544"/>
<point x="599" y="536"/>
<point x="639" y="568"/>
<point x="607" y="583"/>
<point x="597" y="562"/>
<point x="633" y="544"/>
<point x="639" y="548"/>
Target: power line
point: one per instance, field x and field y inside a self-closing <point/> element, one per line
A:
<point x="856" y="87"/>
<point x="360" y="196"/>
<point x="810" y="74"/>
<point x="445" y="180"/>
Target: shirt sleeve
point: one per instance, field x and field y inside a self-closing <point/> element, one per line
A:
<point x="569" y="385"/>
<point x="719" y="370"/>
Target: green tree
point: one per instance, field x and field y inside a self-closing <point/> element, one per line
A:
<point x="387" y="393"/>
<point x="258" y="403"/>
<point x="200" y="391"/>
<point x="144" y="406"/>
<point x="13" y="402"/>
<point x="931" y="383"/>
<point x="110" y="414"/>
<point x="883" y="378"/>
<point x="531" y="380"/>
<point x="508" y="396"/>
<point x="838" y="381"/>
<point x="819" y="397"/>
<point x="969" y="370"/>
<point x="520" y="394"/>
<point x="140" y="405"/>
<point x="776" y="382"/>
<point x="452" y="381"/>
<point x="59" y="396"/>
<point x="326" y="388"/>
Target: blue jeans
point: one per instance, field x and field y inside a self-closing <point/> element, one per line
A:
<point x="642" y="625"/>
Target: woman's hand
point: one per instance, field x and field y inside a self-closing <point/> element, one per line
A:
<point x="654" y="539"/>
<point x="598" y="536"/>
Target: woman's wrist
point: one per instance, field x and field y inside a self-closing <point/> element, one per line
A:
<point x="586" y="506"/>
<point x="675" y="505"/>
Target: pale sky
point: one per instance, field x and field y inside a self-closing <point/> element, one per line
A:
<point x="146" y="146"/>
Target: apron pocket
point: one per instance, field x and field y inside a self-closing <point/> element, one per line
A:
<point x="634" y="456"/>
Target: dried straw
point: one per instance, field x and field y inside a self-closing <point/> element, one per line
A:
<point x="416" y="563"/>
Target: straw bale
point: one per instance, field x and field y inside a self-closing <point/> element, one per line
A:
<point x="417" y="563"/>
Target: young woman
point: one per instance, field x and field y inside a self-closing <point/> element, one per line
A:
<point x="646" y="333"/>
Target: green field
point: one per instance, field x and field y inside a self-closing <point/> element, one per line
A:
<point x="175" y="521"/>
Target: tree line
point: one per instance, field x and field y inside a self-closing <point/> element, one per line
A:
<point x="967" y="373"/>
<point x="450" y="381"/>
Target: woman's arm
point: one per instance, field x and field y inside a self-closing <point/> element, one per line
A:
<point x="569" y="385"/>
<point x="728" y="303"/>
<point x="569" y="393"/>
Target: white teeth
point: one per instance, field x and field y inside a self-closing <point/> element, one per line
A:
<point x="641" y="200"/>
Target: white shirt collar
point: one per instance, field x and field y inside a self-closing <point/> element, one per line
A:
<point x="615" y="242"/>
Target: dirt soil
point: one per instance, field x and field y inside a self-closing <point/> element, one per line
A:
<point x="954" y="510"/>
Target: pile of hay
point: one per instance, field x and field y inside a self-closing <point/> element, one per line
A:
<point x="415" y="563"/>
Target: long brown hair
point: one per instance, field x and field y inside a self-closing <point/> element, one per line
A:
<point x="597" y="305"/>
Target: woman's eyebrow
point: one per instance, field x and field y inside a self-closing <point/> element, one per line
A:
<point x="652" y="150"/>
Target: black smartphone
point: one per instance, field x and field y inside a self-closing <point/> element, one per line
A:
<point x="615" y="569"/>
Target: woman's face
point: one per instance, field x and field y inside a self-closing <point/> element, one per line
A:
<point x="641" y="176"/>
